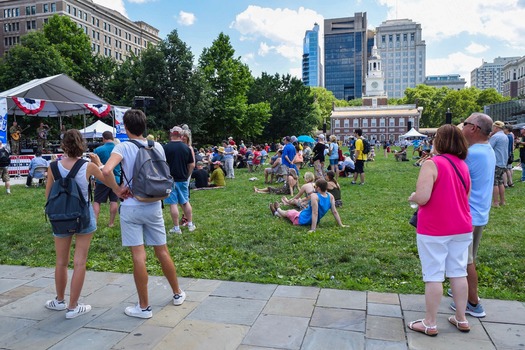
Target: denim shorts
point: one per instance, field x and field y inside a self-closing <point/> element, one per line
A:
<point x="90" y="229"/>
<point x="179" y="193"/>
<point x="142" y="224"/>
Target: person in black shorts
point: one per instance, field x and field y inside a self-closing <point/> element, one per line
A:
<point x="102" y="192"/>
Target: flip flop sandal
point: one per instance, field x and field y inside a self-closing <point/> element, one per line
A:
<point x="431" y="331"/>
<point x="463" y="326"/>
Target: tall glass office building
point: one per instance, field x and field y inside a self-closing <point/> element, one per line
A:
<point x="345" y="55"/>
<point x="312" y="69"/>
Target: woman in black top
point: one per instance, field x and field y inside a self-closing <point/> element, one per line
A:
<point x="318" y="157"/>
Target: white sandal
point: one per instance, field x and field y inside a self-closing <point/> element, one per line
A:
<point x="463" y="326"/>
<point x="431" y="331"/>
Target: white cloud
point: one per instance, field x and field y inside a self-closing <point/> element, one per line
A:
<point x="282" y="28"/>
<point x="117" y="5"/>
<point x="248" y="57"/>
<point x="475" y="48"/>
<point x="186" y="18"/>
<point x="454" y="63"/>
<point x="498" y="19"/>
<point x="264" y="49"/>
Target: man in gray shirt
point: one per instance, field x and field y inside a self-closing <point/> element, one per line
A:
<point x="500" y="143"/>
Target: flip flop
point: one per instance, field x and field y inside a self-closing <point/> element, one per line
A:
<point x="431" y="331"/>
<point x="463" y="326"/>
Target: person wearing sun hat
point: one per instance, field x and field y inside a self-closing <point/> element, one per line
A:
<point x="500" y="145"/>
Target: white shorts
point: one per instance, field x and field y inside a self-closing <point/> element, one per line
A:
<point x="141" y="224"/>
<point x="443" y="254"/>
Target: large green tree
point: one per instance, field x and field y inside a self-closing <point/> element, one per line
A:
<point x="292" y="106"/>
<point x="34" y="58"/>
<point x="229" y="80"/>
<point x="74" y="46"/>
<point x="60" y="47"/>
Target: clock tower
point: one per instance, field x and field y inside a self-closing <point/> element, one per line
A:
<point x="375" y="80"/>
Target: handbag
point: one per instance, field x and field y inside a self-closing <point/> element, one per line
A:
<point x="413" y="219"/>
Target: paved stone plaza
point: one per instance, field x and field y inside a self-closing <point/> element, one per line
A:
<point x="234" y="315"/>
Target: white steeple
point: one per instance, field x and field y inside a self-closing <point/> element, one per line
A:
<point x="375" y="80"/>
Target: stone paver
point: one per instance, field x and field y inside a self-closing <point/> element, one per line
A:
<point x="237" y="316"/>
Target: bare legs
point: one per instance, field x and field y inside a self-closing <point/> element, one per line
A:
<point x="62" y="247"/>
<point x="498" y="196"/>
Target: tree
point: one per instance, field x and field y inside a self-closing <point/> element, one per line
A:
<point x="229" y="80"/>
<point x="74" y="46"/>
<point x="103" y="71"/>
<point x="34" y="58"/>
<point x="126" y="83"/>
<point x="293" y="111"/>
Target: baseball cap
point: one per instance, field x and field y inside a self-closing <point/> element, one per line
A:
<point x="176" y="130"/>
<point x="218" y="162"/>
<point x="499" y="124"/>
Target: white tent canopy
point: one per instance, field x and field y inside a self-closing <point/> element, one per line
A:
<point x="96" y="129"/>
<point x="63" y="96"/>
<point x="413" y="133"/>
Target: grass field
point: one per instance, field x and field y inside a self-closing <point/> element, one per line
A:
<point x="237" y="239"/>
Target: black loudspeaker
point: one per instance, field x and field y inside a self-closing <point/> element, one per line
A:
<point x="409" y="126"/>
<point x="448" y="117"/>
<point x="138" y="103"/>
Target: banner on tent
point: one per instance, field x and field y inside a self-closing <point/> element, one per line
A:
<point x="3" y="121"/>
<point x="119" y="123"/>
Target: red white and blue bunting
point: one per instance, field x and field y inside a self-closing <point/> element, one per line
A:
<point x="29" y="105"/>
<point x="99" y="110"/>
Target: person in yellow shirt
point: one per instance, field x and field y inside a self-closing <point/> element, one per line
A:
<point x="217" y="176"/>
<point x="360" y="157"/>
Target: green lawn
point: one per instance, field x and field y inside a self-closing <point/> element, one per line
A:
<point x="237" y="239"/>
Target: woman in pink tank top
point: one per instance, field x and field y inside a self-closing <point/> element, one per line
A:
<point x="444" y="228"/>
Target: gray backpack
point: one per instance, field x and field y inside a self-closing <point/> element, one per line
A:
<point x="152" y="180"/>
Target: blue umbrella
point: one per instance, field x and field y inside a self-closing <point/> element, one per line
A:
<point x="305" y="138"/>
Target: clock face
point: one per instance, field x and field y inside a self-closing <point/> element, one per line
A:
<point x="375" y="84"/>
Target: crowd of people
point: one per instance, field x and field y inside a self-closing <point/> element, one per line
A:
<point x="463" y="175"/>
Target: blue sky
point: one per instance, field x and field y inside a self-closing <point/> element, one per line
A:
<point x="267" y="34"/>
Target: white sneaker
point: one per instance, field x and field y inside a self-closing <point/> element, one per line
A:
<point x="79" y="310"/>
<point x="56" y="305"/>
<point x="192" y="227"/>
<point x="176" y="230"/>
<point x="137" y="311"/>
<point x="178" y="299"/>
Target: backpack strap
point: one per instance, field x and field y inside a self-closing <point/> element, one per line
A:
<point x="72" y="173"/>
<point x="74" y="170"/>
<point x="139" y="145"/>
<point x="54" y="170"/>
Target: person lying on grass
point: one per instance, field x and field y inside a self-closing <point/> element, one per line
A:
<point x="290" y="183"/>
<point x="320" y="202"/>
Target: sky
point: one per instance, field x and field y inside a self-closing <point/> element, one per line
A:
<point x="268" y="34"/>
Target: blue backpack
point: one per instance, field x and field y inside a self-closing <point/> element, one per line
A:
<point x="66" y="207"/>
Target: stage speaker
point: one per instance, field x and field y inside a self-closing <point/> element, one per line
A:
<point x="448" y="117"/>
<point x="138" y="103"/>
